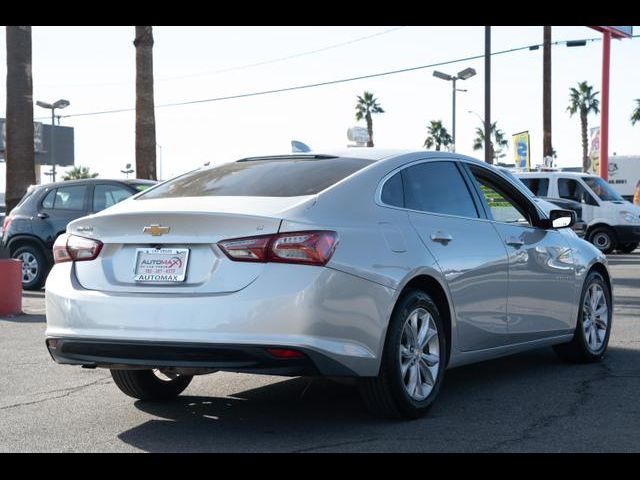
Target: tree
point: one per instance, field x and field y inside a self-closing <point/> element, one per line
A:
<point x="438" y="135"/>
<point x="76" y="173"/>
<point x="367" y="105"/>
<point x="635" y="116"/>
<point x="497" y="141"/>
<point x="582" y="100"/>
<point x="20" y="153"/>
<point x="145" y="115"/>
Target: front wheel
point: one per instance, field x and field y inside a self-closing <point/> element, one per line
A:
<point x="593" y="328"/>
<point x="413" y="360"/>
<point x="604" y="239"/>
<point x="150" y="384"/>
<point x="34" y="266"/>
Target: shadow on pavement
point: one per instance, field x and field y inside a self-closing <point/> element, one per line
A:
<point x="24" y="318"/>
<point x="289" y="415"/>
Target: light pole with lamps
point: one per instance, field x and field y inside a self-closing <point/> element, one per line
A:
<point x="462" y="75"/>
<point x="60" y="104"/>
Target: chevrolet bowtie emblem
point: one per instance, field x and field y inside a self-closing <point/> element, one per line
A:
<point x="155" y="230"/>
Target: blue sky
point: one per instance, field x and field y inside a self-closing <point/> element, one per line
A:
<point x="94" y="68"/>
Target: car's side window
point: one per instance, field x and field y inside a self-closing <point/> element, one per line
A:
<point x="572" y="190"/>
<point x="503" y="207"/>
<point x="437" y="187"/>
<point x="393" y="191"/>
<point x="105" y="195"/>
<point x="49" y="199"/>
<point x="70" y="198"/>
<point x="538" y="186"/>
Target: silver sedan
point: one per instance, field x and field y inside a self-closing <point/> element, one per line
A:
<point x="386" y="266"/>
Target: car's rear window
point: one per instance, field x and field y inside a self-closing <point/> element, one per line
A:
<point x="272" y="177"/>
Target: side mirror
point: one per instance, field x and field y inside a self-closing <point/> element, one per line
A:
<point x="562" y="218"/>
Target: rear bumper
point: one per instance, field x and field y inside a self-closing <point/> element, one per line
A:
<point x="325" y="313"/>
<point x="236" y="358"/>
<point x="627" y="233"/>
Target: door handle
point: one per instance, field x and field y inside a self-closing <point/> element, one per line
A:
<point x="43" y="215"/>
<point x="441" y="237"/>
<point x="515" y="242"/>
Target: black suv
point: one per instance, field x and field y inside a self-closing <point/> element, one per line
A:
<point x="32" y="227"/>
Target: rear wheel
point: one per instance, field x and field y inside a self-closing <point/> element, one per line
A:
<point x="34" y="266"/>
<point x="150" y="384"/>
<point x="627" y="247"/>
<point x="593" y="328"/>
<point x="603" y="238"/>
<point x="413" y="360"/>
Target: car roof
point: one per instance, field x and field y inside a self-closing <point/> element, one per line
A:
<point x="556" y="174"/>
<point x="95" y="180"/>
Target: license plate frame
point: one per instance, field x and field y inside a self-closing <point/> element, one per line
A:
<point x="159" y="272"/>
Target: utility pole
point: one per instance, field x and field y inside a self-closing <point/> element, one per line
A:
<point x="488" y="145"/>
<point x="547" y="149"/>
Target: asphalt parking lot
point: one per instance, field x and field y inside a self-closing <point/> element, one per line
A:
<point x="529" y="402"/>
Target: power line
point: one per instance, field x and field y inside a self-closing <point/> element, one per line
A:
<point x="326" y="83"/>
<point x="261" y="63"/>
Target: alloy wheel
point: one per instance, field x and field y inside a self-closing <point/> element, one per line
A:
<point x="595" y="317"/>
<point x="419" y="354"/>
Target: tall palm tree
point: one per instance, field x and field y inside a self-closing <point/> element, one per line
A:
<point x="497" y="140"/>
<point x="438" y="135"/>
<point x="367" y="105"/>
<point x="19" y="153"/>
<point x="635" y="116"/>
<point x="583" y="100"/>
<point x="145" y="115"/>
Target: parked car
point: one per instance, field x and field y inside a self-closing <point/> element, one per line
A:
<point x="44" y="212"/>
<point x="389" y="267"/>
<point x="612" y="222"/>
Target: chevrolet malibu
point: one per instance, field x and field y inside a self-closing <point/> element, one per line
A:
<point x="386" y="266"/>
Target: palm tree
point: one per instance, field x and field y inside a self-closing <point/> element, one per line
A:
<point x="583" y="100"/>
<point x="145" y="116"/>
<point x="635" y="116"/>
<point x="19" y="153"/>
<point x="497" y="140"/>
<point x="368" y="104"/>
<point x="438" y="135"/>
<point x="77" y="173"/>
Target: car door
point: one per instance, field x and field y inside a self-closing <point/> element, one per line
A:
<point x="60" y="206"/>
<point x="573" y="189"/>
<point x="108" y="194"/>
<point x="469" y="252"/>
<point x="541" y="269"/>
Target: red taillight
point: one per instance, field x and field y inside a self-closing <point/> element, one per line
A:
<point x="284" y="353"/>
<point x="74" y="248"/>
<point x="310" y="248"/>
<point x="6" y="223"/>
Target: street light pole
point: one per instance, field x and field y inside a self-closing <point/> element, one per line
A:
<point x="60" y="104"/>
<point x="462" y="75"/>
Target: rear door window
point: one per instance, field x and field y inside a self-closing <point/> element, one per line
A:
<point x="106" y="195"/>
<point x="538" y="186"/>
<point x="437" y="187"/>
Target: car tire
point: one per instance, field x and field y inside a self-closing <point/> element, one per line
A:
<point x="603" y="238"/>
<point x="388" y="394"/>
<point x="627" y="247"/>
<point x="584" y="347"/>
<point x="34" y="266"/>
<point x="148" y="384"/>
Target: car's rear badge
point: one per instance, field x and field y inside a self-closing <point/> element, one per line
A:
<point x="155" y="230"/>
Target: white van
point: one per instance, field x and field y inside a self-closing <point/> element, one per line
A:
<point x="612" y="222"/>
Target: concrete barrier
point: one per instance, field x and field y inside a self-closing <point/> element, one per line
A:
<point x="10" y="287"/>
